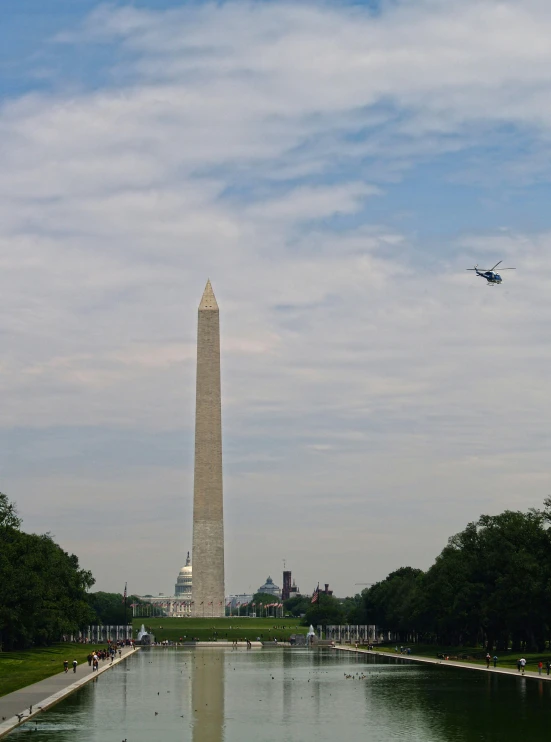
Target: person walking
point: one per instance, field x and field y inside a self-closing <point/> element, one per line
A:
<point x="540" y="667"/>
<point x="548" y="666"/>
<point x="495" y="660"/>
<point x="488" y="658"/>
<point x="518" y="665"/>
<point x="75" y="663"/>
<point x="522" y="664"/>
<point x="66" y="666"/>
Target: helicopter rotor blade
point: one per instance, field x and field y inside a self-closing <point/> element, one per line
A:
<point x="495" y="266"/>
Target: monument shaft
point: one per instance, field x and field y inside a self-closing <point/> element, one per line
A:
<point x="208" y="512"/>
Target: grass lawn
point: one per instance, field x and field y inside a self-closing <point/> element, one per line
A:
<point x="221" y="629"/>
<point x="474" y="655"/>
<point x="18" y="669"/>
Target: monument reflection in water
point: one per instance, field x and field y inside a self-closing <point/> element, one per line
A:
<point x="207" y="695"/>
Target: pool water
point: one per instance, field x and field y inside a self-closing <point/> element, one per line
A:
<point x="271" y="695"/>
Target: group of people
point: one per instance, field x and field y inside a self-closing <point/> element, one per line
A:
<point x="102" y="654"/>
<point x="99" y="654"/>
<point x="402" y="650"/>
<point x="521" y="664"/>
<point x="492" y="659"/>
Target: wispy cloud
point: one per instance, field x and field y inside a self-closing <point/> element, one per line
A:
<point x="274" y="147"/>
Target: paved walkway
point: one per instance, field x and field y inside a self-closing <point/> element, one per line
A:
<point x="448" y="663"/>
<point x="45" y="693"/>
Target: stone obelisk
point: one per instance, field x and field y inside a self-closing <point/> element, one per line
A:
<point x="208" y="512"/>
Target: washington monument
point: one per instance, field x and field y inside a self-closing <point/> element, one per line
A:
<point x="208" y="512"/>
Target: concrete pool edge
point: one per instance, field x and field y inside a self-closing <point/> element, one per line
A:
<point x="10" y="724"/>
<point x="532" y="674"/>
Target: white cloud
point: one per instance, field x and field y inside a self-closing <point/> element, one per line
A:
<point x="359" y="384"/>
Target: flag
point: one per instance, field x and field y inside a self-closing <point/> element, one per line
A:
<point x="316" y="595"/>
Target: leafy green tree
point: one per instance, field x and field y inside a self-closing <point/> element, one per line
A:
<point x="490" y="583"/>
<point x="42" y="588"/>
<point x="354" y="609"/>
<point x="326" y="610"/>
<point x="297" y="605"/>
<point x="109" y="607"/>
<point x="8" y="513"/>
<point x="392" y="603"/>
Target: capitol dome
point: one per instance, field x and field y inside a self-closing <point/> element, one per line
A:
<point x="184" y="581"/>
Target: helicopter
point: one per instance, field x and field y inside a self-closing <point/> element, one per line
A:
<point x="492" y="278"/>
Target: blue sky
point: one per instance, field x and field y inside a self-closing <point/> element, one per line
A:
<point x="333" y="168"/>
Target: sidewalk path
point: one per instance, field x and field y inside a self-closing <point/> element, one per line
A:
<point x="46" y="692"/>
<point x="447" y="663"/>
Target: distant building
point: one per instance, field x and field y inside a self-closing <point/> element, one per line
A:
<point x="233" y="601"/>
<point x="269" y="588"/>
<point x="286" y="591"/>
<point x="294" y="590"/>
<point x="179" y="604"/>
<point x="183" y="585"/>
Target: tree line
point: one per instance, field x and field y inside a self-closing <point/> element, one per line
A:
<point x="44" y="594"/>
<point x="43" y="590"/>
<point x="490" y="586"/>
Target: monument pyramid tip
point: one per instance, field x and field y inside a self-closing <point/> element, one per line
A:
<point x="208" y="300"/>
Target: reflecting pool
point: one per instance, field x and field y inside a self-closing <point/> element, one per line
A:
<point x="225" y="695"/>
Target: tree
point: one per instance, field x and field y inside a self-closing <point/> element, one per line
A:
<point x="326" y="610"/>
<point x="8" y="513"/>
<point x="355" y="610"/>
<point x="109" y="607"/>
<point x="42" y="588"/>
<point x="392" y="604"/>
<point x="297" y="605"/>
